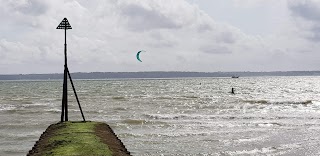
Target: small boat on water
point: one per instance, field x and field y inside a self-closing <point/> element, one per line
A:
<point x="235" y="77"/>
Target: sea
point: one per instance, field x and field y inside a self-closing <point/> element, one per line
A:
<point x="174" y="117"/>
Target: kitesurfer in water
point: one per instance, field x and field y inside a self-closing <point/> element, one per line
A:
<point x="232" y="90"/>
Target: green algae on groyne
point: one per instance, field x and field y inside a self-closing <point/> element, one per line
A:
<point x="78" y="138"/>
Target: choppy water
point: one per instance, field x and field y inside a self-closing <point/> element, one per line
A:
<point x="266" y="116"/>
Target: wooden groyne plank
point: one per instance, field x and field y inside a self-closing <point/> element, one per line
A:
<point x="80" y="139"/>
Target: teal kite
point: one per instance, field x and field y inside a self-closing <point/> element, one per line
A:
<point x="138" y="55"/>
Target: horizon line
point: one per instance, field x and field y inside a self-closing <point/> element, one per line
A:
<point x="170" y="71"/>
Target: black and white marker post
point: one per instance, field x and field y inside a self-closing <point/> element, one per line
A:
<point x="64" y="112"/>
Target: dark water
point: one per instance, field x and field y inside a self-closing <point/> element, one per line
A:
<point x="266" y="116"/>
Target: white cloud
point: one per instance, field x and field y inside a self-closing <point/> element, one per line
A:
<point x="106" y="35"/>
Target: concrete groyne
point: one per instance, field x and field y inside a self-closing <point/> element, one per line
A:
<point x="80" y="139"/>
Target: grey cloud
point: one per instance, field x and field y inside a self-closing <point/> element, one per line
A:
<point x="204" y="27"/>
<point x="308" y="11"/>
<point x="315" y="36"/>
<point x="161" y="40"/>
<point x="29" y="7"/>
<point x="181" y="59"/>
<point x="35" y="7"/>
<point x="21" y="17"/>
<point x="162" y="44"/>
<point x="215" y="50"/>
<point x="141" y="19"/>
<point x="226" y="37"/>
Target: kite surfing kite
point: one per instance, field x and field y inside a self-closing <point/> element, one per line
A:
<point x="138" y="55"/>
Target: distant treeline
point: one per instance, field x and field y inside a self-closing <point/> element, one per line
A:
<point x="136" y="75"/>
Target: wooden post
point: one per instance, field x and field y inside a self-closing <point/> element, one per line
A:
<point x="75" y="93"/>
<point x="65" y="77"/>
<point x="64" y="109"/>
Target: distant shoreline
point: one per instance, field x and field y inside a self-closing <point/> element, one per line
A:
<point x="142" y="75"/>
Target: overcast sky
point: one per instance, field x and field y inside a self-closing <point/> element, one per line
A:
<point x="177" y="35"/>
